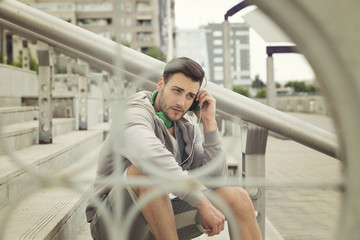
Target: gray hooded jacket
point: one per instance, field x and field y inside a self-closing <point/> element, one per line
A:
<point x="145" y="141"/>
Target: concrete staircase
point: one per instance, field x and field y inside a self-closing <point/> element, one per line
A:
<point x="44" y="188"/>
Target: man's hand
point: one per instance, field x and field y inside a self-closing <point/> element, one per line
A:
<point x="211" y="218"/>
<point x="208" y="108"/>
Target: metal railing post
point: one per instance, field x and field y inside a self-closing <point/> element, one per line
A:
<point x="227" y="67"/>
<point x="45" y="92"/>
<point x="25" y="55"/>
<point x="3" y="45"/>
<point x="106" y="95"/>
<point x="69" y="71"/>
<point x="270" y="86"/>
<point x="254" y="138"/>
<point x="83" y="97"/>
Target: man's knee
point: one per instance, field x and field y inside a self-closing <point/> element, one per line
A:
<point x="134" y="172"/>
<point x="237" y="198"/>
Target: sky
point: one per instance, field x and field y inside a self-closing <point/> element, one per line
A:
<point x="190" y="14"/>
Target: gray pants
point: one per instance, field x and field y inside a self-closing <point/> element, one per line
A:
<point x="187" y="219"/>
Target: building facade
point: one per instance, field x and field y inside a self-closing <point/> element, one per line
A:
<point x="192" y="43"/>
<point x="139" y="24"/>
<point x="239" y="52"/>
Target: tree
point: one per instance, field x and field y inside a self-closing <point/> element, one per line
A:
<point x="301" y="86"/>
<point x="257" y="82"/>
<point x="241" y="90"/>
<point x="155" y="52"/>
<point x="261" y="93"/>
<point x="312" y="88"/>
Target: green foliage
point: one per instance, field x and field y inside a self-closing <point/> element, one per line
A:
<point x="261" y="93"/>
<point x="122" y="42"/>
<point x="257" y="83"/>
<point x="61" y="70"/>
<point x="17" y="63"/>
<point x="301" y="86"/>
<point x="34" y="66"/>
<point x="312" y="88"/>
<point x="155" y="52"/>
<point x="241" y="90"/>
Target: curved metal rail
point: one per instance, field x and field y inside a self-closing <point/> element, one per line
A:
<point x="98" y="50"/>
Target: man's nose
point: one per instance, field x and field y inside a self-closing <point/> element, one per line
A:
<point x="181" y="101"/>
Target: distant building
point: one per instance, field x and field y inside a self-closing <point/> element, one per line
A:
<point x="205" y="45"/>
<point x="192" y="43"/>
<point x="240" y="53"/>
<point x="141" y="23"/>
<point x="146" y="23"/>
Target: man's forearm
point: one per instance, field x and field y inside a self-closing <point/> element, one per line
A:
<point x="210" y="125"/>
<point x="211" y="218"/>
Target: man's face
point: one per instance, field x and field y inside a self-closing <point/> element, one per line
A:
<point x="176" y="97"/>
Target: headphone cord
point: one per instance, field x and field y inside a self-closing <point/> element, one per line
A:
<point x="200" y="116"/>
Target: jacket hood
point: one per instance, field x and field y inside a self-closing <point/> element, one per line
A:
<point x="141" y="99"/>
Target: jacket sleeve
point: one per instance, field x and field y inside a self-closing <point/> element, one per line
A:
<point x="147" y="153"/>
<point x="209" y="149"/>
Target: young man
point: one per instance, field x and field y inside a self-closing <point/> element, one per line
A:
<point x="158" y="135"/>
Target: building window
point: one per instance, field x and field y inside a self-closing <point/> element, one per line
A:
<point x="218" y="60"/>
<point x="245" y="62"/>
<point x="218" y="68"/>
<point x="129" y="37"/>
<point x="143" y="22"/>
<point x="143" y="6"/>
<point x="217" y="42"/>
<point x="218" y="75"/>
<point x="244" y="39"/>
<point x="128" y="7"/>
<point x="217" y="50"/>
<point x="217" y="33"/>
<point x="144" y="36"/>
<point x="128" y="21"/>
<point x="241" y="33"/>
<point x="94" y="7"/>
<point x="95" y="22"/>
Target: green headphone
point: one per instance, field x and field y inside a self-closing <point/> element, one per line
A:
<point x="168" y="123"/>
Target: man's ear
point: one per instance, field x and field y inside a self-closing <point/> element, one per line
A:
<point x="160" y="84"/>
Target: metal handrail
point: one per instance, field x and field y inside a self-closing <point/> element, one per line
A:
<point x="92" y="47"/>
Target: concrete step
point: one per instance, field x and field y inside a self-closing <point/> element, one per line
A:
<point x="53" y="212"/>
<point x="17" y="171"/>
<point x="21" y="135"/>
<point x="8" y="100"/>
<point x="11" y="115"/>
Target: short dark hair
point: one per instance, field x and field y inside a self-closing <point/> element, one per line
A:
<point x="186" y="66"/>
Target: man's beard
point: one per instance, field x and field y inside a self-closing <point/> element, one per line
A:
<point x="164" y="108"/>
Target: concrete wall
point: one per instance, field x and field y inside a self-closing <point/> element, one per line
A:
<point x="305" y="104"/>
<point x="17" y="82"/>
<point x="95" y="105"/>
